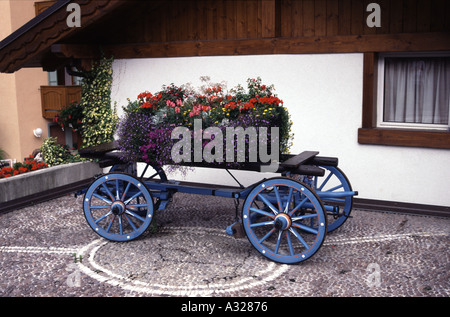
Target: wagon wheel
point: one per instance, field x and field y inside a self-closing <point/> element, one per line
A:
<point x="334" y="181"/>
<point x="284" y="220"/>
<point x="118" y="207"/>
<point x="153" y="171"/>
<point x="150" y="171"/>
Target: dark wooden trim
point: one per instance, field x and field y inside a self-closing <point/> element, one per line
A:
<point x="39" y="35"/>
<point x="401" y="207"/>
<point x="400" y="137"/>
<point x="291" y="45"/>
<point x="369" y="110"/>
<point x="278" y="24"/>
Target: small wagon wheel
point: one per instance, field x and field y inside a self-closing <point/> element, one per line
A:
<point x="335" y="182"/>
<point x="118" y="207"/>
<point x="284" y="220"/>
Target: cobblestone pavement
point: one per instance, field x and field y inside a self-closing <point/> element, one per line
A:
<point x="49" y="250"/>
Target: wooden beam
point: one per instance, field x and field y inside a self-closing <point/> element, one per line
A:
<point x="398" y="137"/>
<point x="369" y="113"/>
<point x="291" y="45"/>
<point x="78" y="51"/>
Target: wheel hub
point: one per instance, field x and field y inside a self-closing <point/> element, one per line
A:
<point x="282" y="222"/>
<point x="117" y="208"/>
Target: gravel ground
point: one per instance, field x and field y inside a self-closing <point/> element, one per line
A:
<point x="49" y="250"/>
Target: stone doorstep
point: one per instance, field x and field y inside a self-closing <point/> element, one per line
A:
<point x="46" y="179"/>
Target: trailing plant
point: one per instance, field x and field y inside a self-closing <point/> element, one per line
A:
<point x="56" y="154"/>
<point x="2" y="154"/>
<point x="71" y="117"/>
<point x="99" y="118"/>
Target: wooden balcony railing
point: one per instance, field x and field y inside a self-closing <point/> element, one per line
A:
<point x="56" y="98"/>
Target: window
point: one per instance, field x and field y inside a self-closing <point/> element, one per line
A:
<point x="387" y="119"/>
<point x="414" y="91"/>
<point x="53" y="78"/>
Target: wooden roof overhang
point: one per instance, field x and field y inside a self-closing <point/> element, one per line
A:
<point x="35" y="43"/>
<point x="162" y="28"/>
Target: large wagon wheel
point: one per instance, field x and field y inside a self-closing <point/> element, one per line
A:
<point x="151" y="171"/>
<point x="118" y="207"/>
<point x="284" y="220"/>
<point x="334" y="181"/>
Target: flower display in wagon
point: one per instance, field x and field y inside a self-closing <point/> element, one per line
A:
<point x="145" y="130"/>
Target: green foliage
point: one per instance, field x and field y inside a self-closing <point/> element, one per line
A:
<point x="56" y="154"/>
<point x="99" y="119"/>
<point x="71" y="117"/>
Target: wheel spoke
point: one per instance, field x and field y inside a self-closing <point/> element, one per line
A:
<point x="334" y="188"/>
<point x="102" y="198"/>
<point x="305" y="228"/>
<point x="130" y="222"/>
<point x="299" y="237"/>
<point x="262" y="212"/>
<point x="137" y="205"/>
<point x="303" y="217"/>
<point x="133" y="197"/>
<point x="268" y="203"/>
<point x="298" y="206"/>
<point x="108" y="191"/>
<point x="103" y="217"/>
<point x="277" y="194"/>
<point x="288" y="201"/>
<point x="267" y="235"/>
<point x="100" y="207"/>
<point x="110" y="223"/>
<point x="129" y="212"/>
<point x="325" y="182"/>
<point x="117" y="189"/>
<point x="280" y="235"/>
<point x="289" y="242"/>
<point x="260" y="224"/>
<point x="125" y="192"/>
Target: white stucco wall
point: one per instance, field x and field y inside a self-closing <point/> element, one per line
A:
<point x="323" y="93"/>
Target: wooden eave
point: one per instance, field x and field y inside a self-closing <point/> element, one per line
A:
<point x="162" y="28"/>
<point x="30" y="45"/>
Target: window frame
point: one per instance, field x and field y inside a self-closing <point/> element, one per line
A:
<point x="371" y="134"/>
<point x="380" y="94"/>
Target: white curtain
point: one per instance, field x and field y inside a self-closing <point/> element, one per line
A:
<point x="417" y="90"/>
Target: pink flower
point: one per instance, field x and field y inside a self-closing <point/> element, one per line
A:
<point x="179" y="102"/>
<point x="177" y="109"/>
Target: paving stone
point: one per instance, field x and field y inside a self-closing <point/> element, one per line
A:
<point x="49" y="250"/>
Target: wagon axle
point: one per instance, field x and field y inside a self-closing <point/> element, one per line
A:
<point x="117" y="208"/>
<point x="282" y="222"/>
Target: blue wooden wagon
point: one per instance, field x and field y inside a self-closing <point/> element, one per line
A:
<point x="286" y="218"/>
